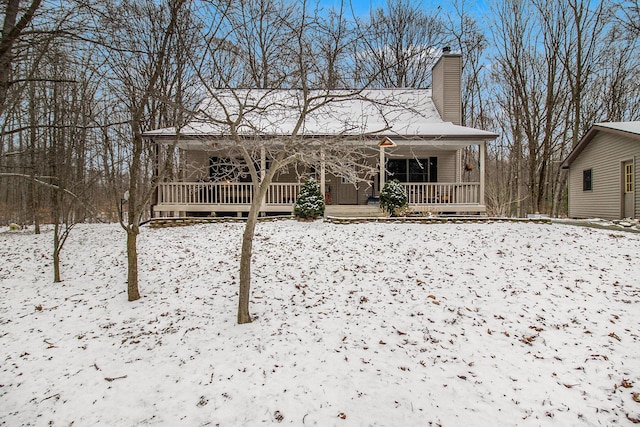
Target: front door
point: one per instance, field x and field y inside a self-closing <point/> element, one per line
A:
<point x="347" y="192"/>
<point x="628" y="192"/>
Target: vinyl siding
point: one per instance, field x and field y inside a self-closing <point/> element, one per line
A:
<point x="446" y="88"/>
<point x="604" y="155"/>
<point x="197" y="165"/>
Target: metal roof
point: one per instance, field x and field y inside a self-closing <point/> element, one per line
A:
<point x="385" y="112"/>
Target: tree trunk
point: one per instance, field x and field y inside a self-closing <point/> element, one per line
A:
<point x="56" y="251"/>
<point x="132" y="264"/>
<point x="245" y="269"/>
<point x="247" y="253"/>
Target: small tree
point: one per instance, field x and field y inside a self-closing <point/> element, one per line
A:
<point x="310" y="203"/>
<point x="393" y="197"/>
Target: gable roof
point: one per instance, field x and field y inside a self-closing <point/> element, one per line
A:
<point x="628" y="129"/>
<point x="383" y="112"/>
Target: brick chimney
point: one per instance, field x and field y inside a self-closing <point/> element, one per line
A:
<point x="446" y="86"/>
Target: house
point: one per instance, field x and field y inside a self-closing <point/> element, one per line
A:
<point x="603" y="174"/>
<point x="413" y="135"/>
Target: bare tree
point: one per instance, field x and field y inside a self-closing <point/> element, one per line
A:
<point x="13" y="26"/>
<point x="398" y="45"/>
<point x="138" y="40"/>
<point x="245" y="117"/>
<point x="630" y="15"/>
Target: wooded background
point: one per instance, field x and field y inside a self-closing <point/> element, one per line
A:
<point x="80" y="80"/>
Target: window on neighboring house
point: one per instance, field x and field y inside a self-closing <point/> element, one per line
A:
<point x="413" y="170"/>
<point x="628" y="178"/>
<point x="587" y="180"/>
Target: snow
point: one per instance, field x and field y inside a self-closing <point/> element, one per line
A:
<point x="394" y="112"/>
<point x="360" y="324"/>
<point x="630" y="127"/>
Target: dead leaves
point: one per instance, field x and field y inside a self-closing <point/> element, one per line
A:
<point x="528" y="339"/>
<point x="626" y="383"/>
<point x="613" y="335"/>
<point x="633" y="420"/>
<point x="433" y="299"/>
<point x="597" y="357"/>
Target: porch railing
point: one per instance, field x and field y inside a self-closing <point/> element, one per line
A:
<point x="216" y="193"/>
<point x="210" y="193"/>
<point x="442" y="193"/>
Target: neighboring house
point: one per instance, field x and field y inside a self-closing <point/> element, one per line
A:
<point x="603" y="172"/>
<point x="414" y="135"/>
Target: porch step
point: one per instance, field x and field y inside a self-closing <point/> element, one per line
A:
<point x="354" y="211"/>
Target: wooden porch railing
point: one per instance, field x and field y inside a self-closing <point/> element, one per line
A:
<point x="216" y="193"/>
<point x="442" y="193"/>
<point x="210" y="193"/>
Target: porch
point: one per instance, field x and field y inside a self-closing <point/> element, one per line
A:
<point x="181" y="198"/>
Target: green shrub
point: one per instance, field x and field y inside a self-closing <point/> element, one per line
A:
<point x="310" y="203"/>
<point x="393" y="197"/>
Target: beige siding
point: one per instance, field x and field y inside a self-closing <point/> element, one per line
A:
<point x="197" y="165"/>
<point x="604" y="155"/>
<point x="446" y="88"/>
<point x="446" y="166"/>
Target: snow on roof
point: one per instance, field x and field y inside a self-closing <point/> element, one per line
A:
<point x="631" y="127"/>
<point x="394" y="112"/>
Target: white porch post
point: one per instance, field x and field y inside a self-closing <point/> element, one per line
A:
<point x="323" y="180"/>
<point x="263" y="173"/>
<point x="381" y="168"/>
<point x="482" y="147"/>
<point x="386" y="142"/>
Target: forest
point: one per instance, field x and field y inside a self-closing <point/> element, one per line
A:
<point x="82" y="80"/>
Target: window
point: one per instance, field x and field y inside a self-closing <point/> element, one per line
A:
<point x="234" y="170"/>
<point x="628" y="178"/>
<point x="397" y="169"/>
<point x="413" y="170"/>
<point x="587" y="180"/>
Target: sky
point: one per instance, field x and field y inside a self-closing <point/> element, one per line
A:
<point x="362" y="7"/>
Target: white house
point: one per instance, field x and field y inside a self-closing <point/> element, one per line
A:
<point x="413" y="135"/>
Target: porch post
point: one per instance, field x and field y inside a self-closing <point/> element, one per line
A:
<point x="263" y="172"/>
<point x="381" y="166"/>
<point x="155" y="178"/>
<point x="482" y="147"/>
<point x="323" y="181"/>
<point x="386" y="142"/>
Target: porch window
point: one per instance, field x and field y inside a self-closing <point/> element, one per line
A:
<point x="413" y="170"/>
<point x="587" y="180"/>
<point x="234" y="170"/>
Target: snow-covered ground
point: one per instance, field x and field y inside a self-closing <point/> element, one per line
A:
<point x="363" y="324"/>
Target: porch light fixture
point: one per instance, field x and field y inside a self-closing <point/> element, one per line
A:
<point x="387" y="142"/>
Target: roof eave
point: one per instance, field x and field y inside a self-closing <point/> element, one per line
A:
<point x="591" y="133"/>
<point x="488" y="136"/>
